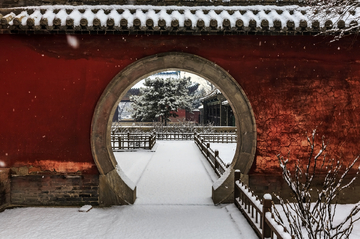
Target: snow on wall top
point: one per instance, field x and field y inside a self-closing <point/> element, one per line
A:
<point x="172" y="19"/>
<point x="22" y="3"/>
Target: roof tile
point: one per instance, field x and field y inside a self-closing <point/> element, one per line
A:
<point x="180" y="19"/>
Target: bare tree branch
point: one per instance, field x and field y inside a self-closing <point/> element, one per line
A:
<point x="314" y="209"/>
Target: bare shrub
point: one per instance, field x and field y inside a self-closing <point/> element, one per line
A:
<point x="341" y="12"/>
<point x="312" y="213"/>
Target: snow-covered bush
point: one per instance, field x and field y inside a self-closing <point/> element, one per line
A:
<point x="184" y="127"/>
<point x="313" y="211"/>
<point x="180" y="127"/>
<point x="206" y="129"/>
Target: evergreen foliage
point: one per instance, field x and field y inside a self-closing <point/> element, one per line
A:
<point x="161" y="98"/>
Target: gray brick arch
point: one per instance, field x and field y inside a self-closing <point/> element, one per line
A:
<point x="113" y="189"/>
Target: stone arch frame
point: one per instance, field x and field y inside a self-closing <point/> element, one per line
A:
<point x="113" y="188"/>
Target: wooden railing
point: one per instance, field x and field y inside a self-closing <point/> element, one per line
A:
<point x="257" y="213"/>
<point x="174" y="136"/>
<point x="132" y="141"/>
<point x="118" y="127"/>
<point x="221" y="137"/>
<point x="212" y="156"/>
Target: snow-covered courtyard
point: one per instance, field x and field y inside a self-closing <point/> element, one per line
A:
<point x="134" y="163"/>
<point x="173" y="201"/>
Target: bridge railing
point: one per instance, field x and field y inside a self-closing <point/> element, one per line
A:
<point x="174" y="136"/>
<point x="132" y="141"/>
<point x="216" y="137"/>
<point x="220" y="137"/>
<point x="212" y="156"/>
<point x="258" y="213"/>
<point x="118" y="127"/>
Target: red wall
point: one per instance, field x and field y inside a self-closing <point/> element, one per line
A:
<point x="193" y="116"/>
<point x="48" y="91"/>
<point x="181" y="116"/>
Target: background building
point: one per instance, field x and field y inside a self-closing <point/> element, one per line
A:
<point x="216" y="110"/>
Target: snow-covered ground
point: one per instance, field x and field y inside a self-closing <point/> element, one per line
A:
<point x="226" y="151"/>
<point x="342" y="211"/>
<point x="134" y="163"/>
<point x="125" y="222"/>
<point x="128" y="222"/>
<point x="174" y="190"/>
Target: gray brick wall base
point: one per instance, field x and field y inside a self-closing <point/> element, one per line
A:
<point x="54" y="190"/>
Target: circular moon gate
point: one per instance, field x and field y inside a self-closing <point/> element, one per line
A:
<point x="113" y="189"/>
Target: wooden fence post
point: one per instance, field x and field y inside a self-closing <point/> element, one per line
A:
<point x="267" y="203"/>
<point x="155" y="138"/>
<point x="216" y="163"/>
<point x="236" y="189"/>
<point x="128" y="140"/>
<point x="207" y="150"/>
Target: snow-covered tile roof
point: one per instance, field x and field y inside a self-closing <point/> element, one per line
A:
<point x="145" y="19"/>
<point x="211" y="94"/>
<point x="225" y="102"/>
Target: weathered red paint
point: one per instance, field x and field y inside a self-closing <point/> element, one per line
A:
<point x="49" y="90"/>
<point x="60" y="167"/>
<point x="193" y="116"/>
<point x="181" y="116"/>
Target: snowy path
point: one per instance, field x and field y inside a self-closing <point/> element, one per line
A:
<point x="174" y="201"/>
<point x="175" y="175"/>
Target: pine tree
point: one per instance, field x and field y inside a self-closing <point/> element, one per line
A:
<point x="161" y="98"/>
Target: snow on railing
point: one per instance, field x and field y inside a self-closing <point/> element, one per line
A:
<point x="132" y="141"/>
<point x="120" y="139"/>
<point x="174" y="136"/>
<point x="221" y="137"/>
<point x="277" y="229"/>
<point x="257" y="213"/>
<point x="212" y="156"/>
<point x="215" y="137"/>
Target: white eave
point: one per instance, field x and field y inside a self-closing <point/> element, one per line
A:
<point x="171" y="18"/>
